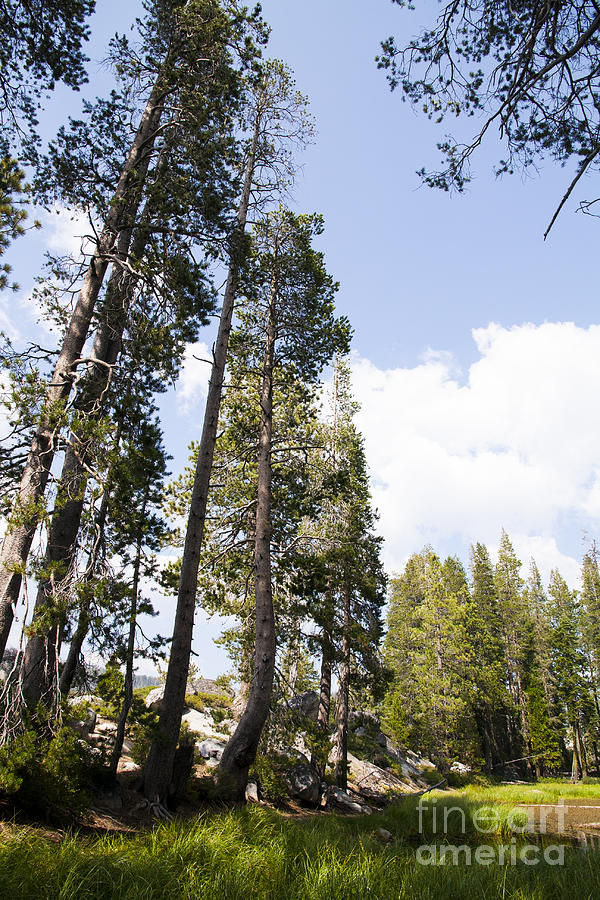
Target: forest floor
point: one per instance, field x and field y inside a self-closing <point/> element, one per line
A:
<point x="476" y="845"/>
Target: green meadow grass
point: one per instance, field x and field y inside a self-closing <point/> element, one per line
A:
<point x="546" y="790"/>
<point x="260" y="853"/>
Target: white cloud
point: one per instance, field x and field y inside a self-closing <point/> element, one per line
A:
<point x="192" y="386"/>
<point x="66" y="232"/>
<point x="516" y="444"/>
<point x="7" y="323"/>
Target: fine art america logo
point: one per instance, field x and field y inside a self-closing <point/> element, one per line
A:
<point x="520" y="821"/>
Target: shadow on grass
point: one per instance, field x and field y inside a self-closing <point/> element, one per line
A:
<point x="258" y="853"/>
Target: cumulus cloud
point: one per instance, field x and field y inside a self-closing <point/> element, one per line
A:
<point x="515" y="443"/>
<point x="66" y="232"/>
<point x="192" y="386"/>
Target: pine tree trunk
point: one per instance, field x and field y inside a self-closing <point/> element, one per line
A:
<point x="240" y="752"/>
<point x="576" y="767"/>
<point x="129" y="655"/>
<point x="324" y="704"/>
<point x="74" y="654"/>
<point x="324" y="691"/>
<point x="37" y="678"/>
<point x="340" y="752"/>
<point x="159" y="765"/>
<point x="83" y="622"/>
<point x="524" y="722"/>
<point x="26" y="512"/>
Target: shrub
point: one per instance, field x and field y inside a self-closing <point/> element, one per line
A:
<point x="194" y="702"/>
<point x="51" y="774"/>
<point x="269" y="772"/>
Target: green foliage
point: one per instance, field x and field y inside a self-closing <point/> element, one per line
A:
<point x="47" y="774"/>
<point x="110" y="687"/>
<point x="508" y="65"/>
<point x="429" y="649"/>
<point x="41" y="44"/>
<point x="269" y="772"/>
<point x="499" y="655"/>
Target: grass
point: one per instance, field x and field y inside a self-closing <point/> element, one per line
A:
<point x="261" y="853"/>
<point x="546" y="790"/>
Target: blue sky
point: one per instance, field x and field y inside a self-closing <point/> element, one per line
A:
<point x="476" y="346"/>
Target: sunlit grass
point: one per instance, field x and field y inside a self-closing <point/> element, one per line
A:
<point x="546" y="790"/>
<point x="260" y="853"/>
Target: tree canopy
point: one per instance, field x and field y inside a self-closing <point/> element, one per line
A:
<point x="531" y="70"/>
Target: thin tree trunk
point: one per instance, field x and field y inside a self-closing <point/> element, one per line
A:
<point x="26" y="512"/>
<point x="341" y="736"/>
<point x="74" y="654"/>
<point x="128" y="685"/>
<point x="524" y="723"/>
<point x="576" y="767"/>
<point x="240" y="752"/>
<point x="159" y="765"/>
<point x="324" y="704"/>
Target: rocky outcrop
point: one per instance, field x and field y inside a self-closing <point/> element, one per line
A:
<point x="344" y="801"/>
<point x="304" y="783"/>
<point x="203" y="724"/>
<point x="199" y="685"/>
<point x="305" y="705"/>
<point x="154" y="698"/>
<point x="211" y="749"/>
<point x="374" y="782"/>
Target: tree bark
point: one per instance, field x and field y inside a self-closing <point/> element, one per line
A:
<point x="324" y="692"/>
<point x="74" y="654"/>
<point x="240" y="752"/>
<point x="130" y="652"/>
<point x="159" y="765"/>
<point x="39" y="665"/>
<point x="324" y="703"/>
<point x="343" y="706"/>
<point x="26" y="513"/>
<point x="83" y="622"/>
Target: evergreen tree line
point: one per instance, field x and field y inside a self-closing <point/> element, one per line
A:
<point x="182" y="171"/>
<point x="493" y="670"/>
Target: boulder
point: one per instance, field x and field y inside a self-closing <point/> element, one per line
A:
<point x="252" y="792"/>
<point x="460" y="768"/>
<point x="201" y="723"/>
<point x="361" y="731"/>
<point x="343" y="800"/>
<point x="211" y="749"/>
<point x="374" y="781"/>
<point x="154" y="698"/>
<point x="305" y="705"/>
<point x="198" y="685"/>
<point x="384" y="835"/>
<point x="304" y="783"/>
